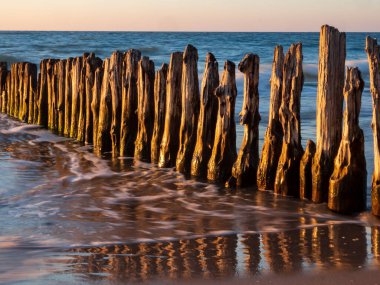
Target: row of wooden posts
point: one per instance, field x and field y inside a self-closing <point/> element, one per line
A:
<point x="121" y="105"/>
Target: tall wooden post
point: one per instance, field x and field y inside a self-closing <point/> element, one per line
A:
<point x="271" y="151"/>
<point x="128" y="129"/>
<point x="170" y="139"/>
<point x="332" y="55"/>
<point x="348" y="183"/>
<point x="95" y="104"/>
<point x="190" y="109"/>
<point x="145" y="107"/>
<point x="159" y="111"/>
<point x="3" y="86"/>
<point x="244" y="169"/>
<point x="68" y="97"/>
<point x="82" y="98"/>
<point x="76" y="72"/>
<point x="224" y="151"/>
<point x="373" y="52"/>
<point x="207" y="118"/>
<point x="287" y="175"/>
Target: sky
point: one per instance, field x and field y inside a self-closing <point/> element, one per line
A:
<point x="190" y="15"/>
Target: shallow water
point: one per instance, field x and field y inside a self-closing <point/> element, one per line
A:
<point x="68" y="216"/>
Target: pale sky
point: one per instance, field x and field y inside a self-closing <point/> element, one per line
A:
<point x="190" y="15"/>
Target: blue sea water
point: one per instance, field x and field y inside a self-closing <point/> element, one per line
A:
<point x="54" y="194"/>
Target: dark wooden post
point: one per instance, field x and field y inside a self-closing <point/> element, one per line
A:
<point x="287" y="175"/>
<point x="128" y="129"/>
<point x="95" y="104"/>
<point x="348" y="182"/>
<point x="3" y="86"/>
<point x="190" y="109"/>
<point x="373" y="53"/>
<point x="145" y="107"/>
<point x="68" y="97"/>
<point x="305" y="171"/>
<point x="159" y="111"/>
<point x="244" y="169"/>
<point x="82" y="99"/>
<point x="170" y="139"/>
<point x="32" y="87"/>
<point x="332" y="55"/>
<point x="271" y="151"/>
<point x="61" y="96"/>
<point x="29" y="82"/>
<point x="224" y="151"/>
<point x="207" y="118"/>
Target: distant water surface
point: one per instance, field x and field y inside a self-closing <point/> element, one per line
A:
<point x="68" y="216"/>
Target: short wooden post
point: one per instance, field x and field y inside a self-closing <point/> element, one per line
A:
<point x="128" y="129"/>
<point x="287" y="175"/>
<point x="159" y="111"/>
<point x="115" y="85"/>
<point x="224" y="150"/>
<point x="68" y="97"/>
<point x="332" y="55"/>
<point x="271" y="151"/>
<point x="348" y="182"/>
<point x="207" y="118"/>
<point x="305" y="171"/>
<point x="145" y="107"/>
<point x="373" y="53"/>
<point x="244" y="170"/>
<point x="170" y="139"/>
<point x="190" y="109"/>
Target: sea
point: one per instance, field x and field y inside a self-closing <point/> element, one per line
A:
<point x="68" y="216"/>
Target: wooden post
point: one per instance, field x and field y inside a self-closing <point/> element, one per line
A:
<point x="82" y="98"/>
<point x="159" y="111"/>
<point x="76" y="72"/>
<point x="95" y="104"/>
<point x="92" y="65"/>
<point x="145" y="107"/>
<point x="348" y="183"/>
<point x="224" y="150"/>
<point x="32" y="90"/>
<point x="61" y="96"/>
<point x="68" y="97"/>
<point x="287" y="175"/>
<point x="190" y="109"/>
<point x="332" y="55"/>
<point x="207" y="118"/>
<point x="305" y="171"/>
<point x="128" y="129"/>
<point x="4" y="74"/>
<point x="271" y="150"/>
<point x="53" y="98"/>
<point x="373" y="52"/>
<point x="170" y="139"/>
<point x="244" y="169"/>
<point x="105" y="112"/>
<point x="115" y="85"/>
<point x="28" y="82"/>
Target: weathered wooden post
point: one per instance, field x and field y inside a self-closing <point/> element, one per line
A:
<point x="244" y="170"/>
<point x="92" y="64"/>
<point x="170" y="139"/>
<point x="76" y="72"/>
<point x="95" y="104"/>
<point x="82" y="98"/>
<point x="207" y="118"/>
<point x="348" y="182"/>
<point x="61" y="96"/>
<point x="332" y="55"/>
<point x="159" y="111"/>
<point x="373" y="52"/>
<point x="271" y="151"/>
<point x="105" y="112"/>
<point x="128" y="129"/>
<point x="115" y="86"/>
<point x="224" y="150"/>
<point x="287" y="175"/>
<point x="305" y="171"/>
<point x="32" y="87"/>
<point x="190" y="109"/>
<point x="3" y="86"/>
<point x="68" y="97"/>
<point x="53" y="97"/>
<point x="145" y="107"/>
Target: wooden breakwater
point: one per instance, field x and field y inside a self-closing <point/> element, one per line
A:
<point x="122" y="106"/>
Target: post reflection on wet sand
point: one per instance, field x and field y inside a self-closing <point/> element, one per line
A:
<point x="334" y="247"/>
